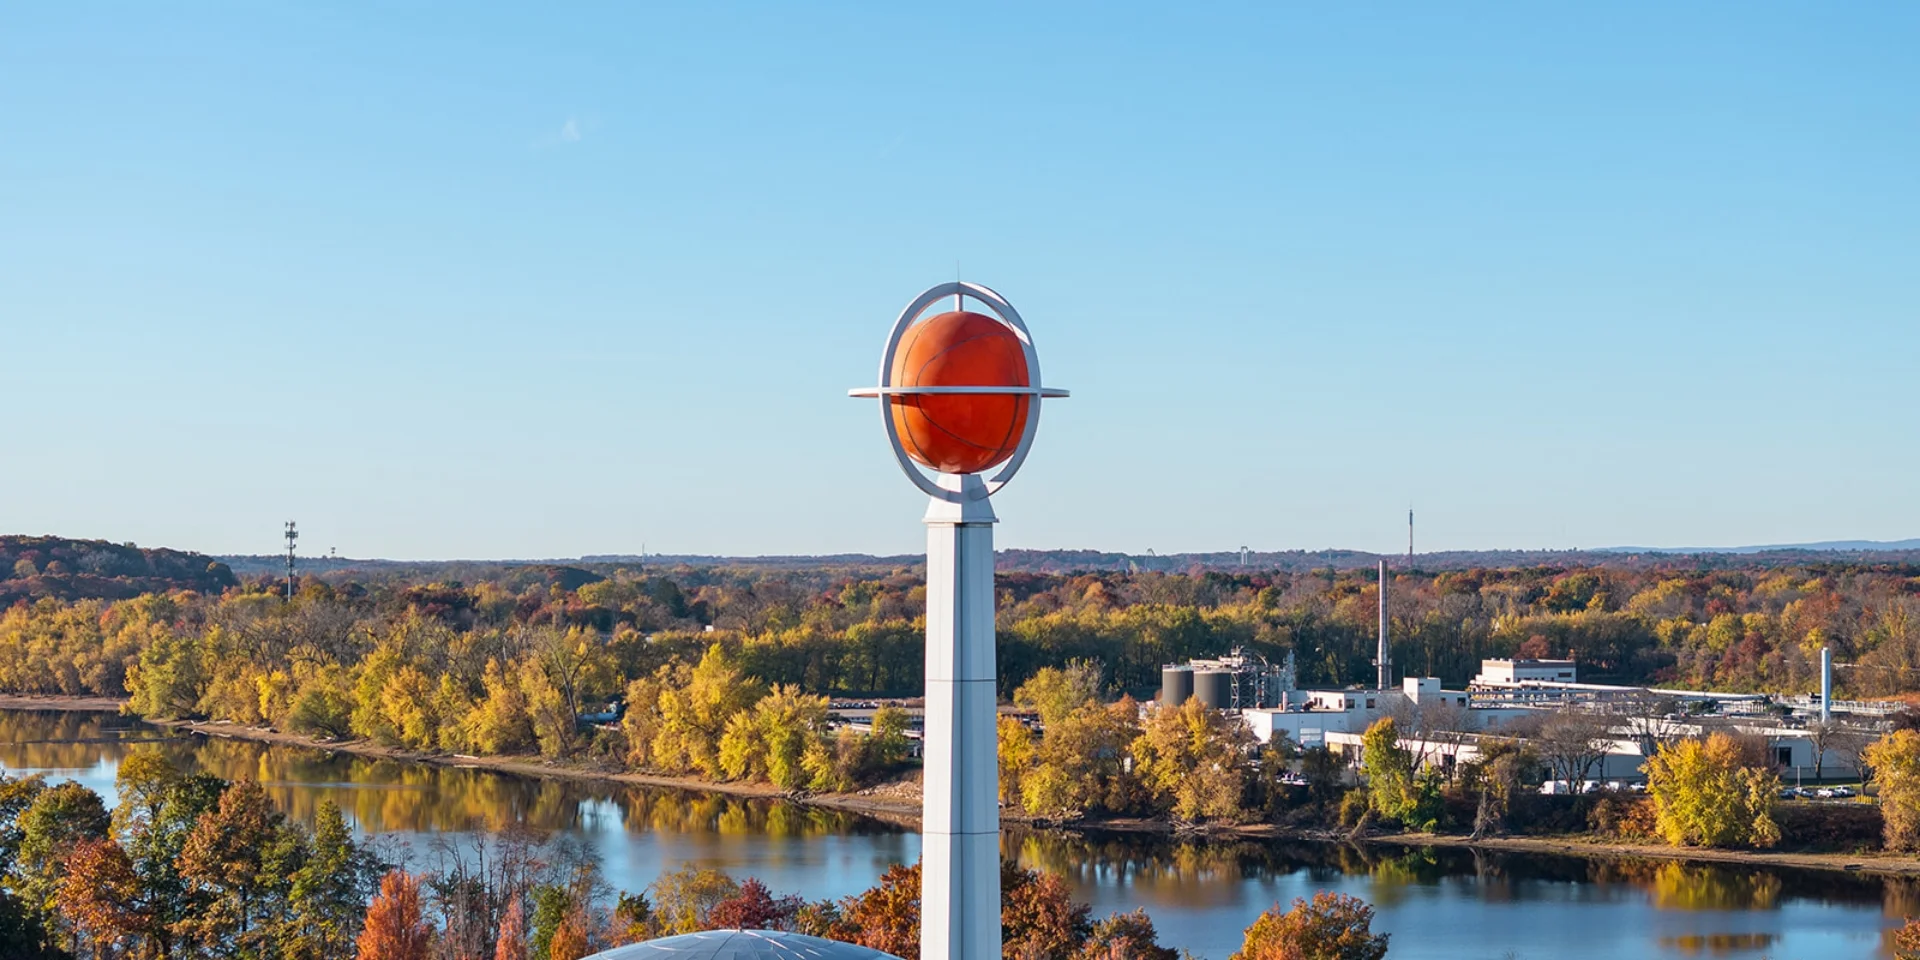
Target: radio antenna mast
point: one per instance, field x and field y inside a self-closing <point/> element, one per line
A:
<point x="292" y="535"/>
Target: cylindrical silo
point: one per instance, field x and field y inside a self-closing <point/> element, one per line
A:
<point x="1213" y="688"/>
<point x="1176" y="685"/>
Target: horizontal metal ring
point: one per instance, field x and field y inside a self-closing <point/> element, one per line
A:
<point x="936" y="391"/>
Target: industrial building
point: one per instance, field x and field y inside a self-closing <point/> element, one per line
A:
<point x="1514" y="673"/>
<point x="1271" y="703"/>
<point x="1236" y="681"/>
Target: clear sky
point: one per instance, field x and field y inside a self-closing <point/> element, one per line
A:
<point x="532" y="280"/>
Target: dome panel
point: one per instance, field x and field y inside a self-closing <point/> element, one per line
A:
<point x="741" y="945"/>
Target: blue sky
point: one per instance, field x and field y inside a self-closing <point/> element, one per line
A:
<point x="514" y="281"/>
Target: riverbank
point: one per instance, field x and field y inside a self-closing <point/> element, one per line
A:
<point x="1574" y="845"/>
<point x="898" y="803"/>
<point x="74" y="704"/>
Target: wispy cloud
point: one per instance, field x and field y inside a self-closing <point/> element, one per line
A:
<point x="573" y="130"/>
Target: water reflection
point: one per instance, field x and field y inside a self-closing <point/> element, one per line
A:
<point x="1437" y="903"/>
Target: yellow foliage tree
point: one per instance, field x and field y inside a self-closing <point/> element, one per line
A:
<point x="1333" y="926"/>
<point x="1705" y="796"/>
<point x="1193" y="759"/>
<point x="1895" y="759"/>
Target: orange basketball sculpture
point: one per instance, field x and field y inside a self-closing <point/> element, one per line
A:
<point x="960" y="432"/>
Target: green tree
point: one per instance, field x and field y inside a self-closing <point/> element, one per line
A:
<point x="1392" y="788"/>
<point x="156" y="845"/>
<point x="1703" y="795"/>
<point x="326" y="892"/>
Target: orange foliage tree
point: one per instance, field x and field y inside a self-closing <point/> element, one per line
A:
<point x="101" y="897"/>
<point x="512" y="943"/>
<point x="570" y="937"/>
<point x="395" y="929"/>
<point x="886" y="917"/>
<point x="1038" y="918"/>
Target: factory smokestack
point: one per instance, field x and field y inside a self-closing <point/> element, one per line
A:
<point x="1382" y="657"/>
<point x="1826" y="684"/>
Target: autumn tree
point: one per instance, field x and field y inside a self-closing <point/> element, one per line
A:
<point x="499" y="723"/>
<point x="684" y="899"/>
<point x="58" y="820"/>
<point x="156" y="844"/>
<point x="227" y="856"/>
<point x="101" y="896"/>
<point x="1191" y="759"/>
<point x="887" y="748"/>
<point x="1906" y="940"/>
<point x="511" y="944"/>
<point x="1705" y="796"/>
<point x="1125" y="936"/>
<point x="1895" y="759"/>
<point x="1333" y="926"/>
<point x="754" y="907"/>
<point x="1054" y="692"/>
<point x="1038" y="918"/>
<point x="1015" y="755"/>
<point x="769" y="741"/>
<point x="887" y="916"/>
<point x="395" y="928"/>
<point x="693" y="718"/>
<point x="1080" y="761"/>
<point x="570" y="940"/>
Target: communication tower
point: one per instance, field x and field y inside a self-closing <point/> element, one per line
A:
<point x="292" y="535"/>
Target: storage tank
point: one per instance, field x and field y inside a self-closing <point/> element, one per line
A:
<point x="1213" y="688"/>
<point x="1176" y="685"/>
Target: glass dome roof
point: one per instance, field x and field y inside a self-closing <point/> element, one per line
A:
<point x="741" y="945"/>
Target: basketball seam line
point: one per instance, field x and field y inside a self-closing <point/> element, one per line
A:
<point x="949" y="348"/>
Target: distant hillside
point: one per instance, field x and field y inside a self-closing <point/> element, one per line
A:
<point x="34" y="567"/>
<point x="1841" y="546"/>
<point x="1074" y="561"/>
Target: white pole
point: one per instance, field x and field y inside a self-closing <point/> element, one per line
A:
<point x="960" y="819"/>
<point x="1826" y="684"/>
<point x="1386" y="672"/>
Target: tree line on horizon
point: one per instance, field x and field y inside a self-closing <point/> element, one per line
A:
<point x="841" y="633"/>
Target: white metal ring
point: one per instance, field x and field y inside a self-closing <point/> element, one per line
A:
<point x="1005" y="314"/>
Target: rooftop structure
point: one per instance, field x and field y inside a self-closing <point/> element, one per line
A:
<point x="1514" y="673"/>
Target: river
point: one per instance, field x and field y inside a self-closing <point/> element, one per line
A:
<point x="1439" y="904"/>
